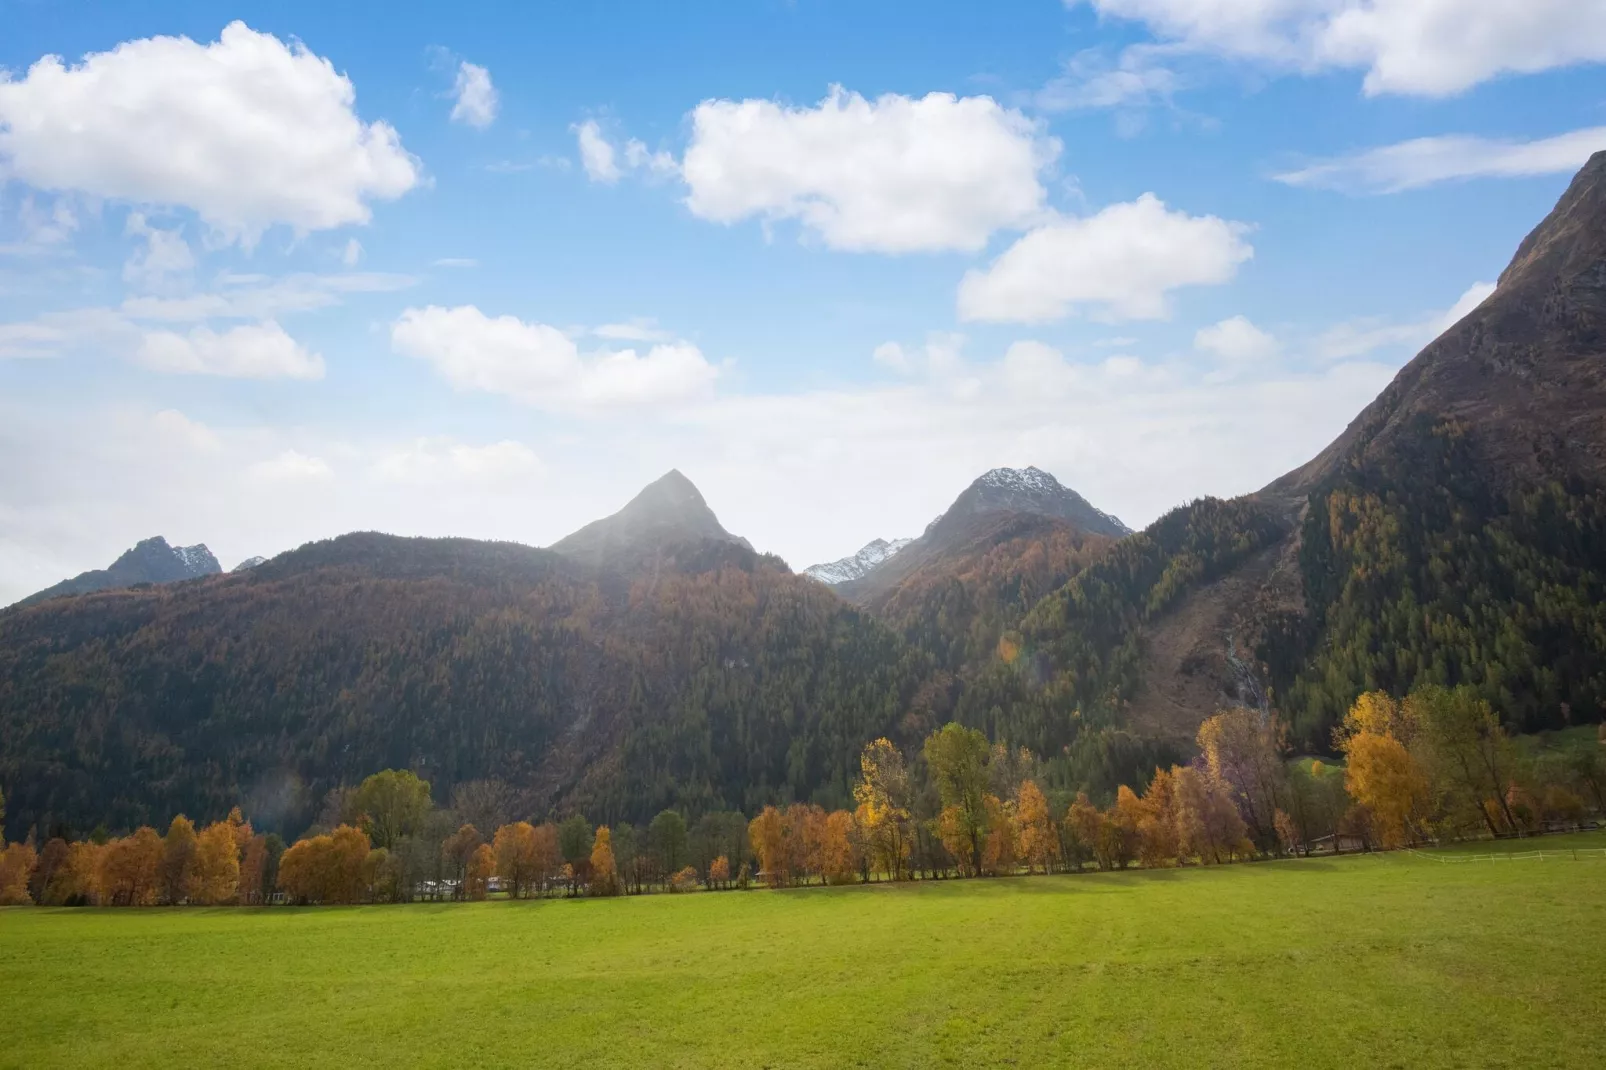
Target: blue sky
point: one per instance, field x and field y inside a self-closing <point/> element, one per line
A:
<point x="487" y="270"/>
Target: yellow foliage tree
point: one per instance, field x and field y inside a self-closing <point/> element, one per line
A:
<point x="882" y="794"/>
<point x="766" y="833"/>
<point x="16" y="866"/>
<point x="1157" y="824"/>
<point x="214" y="872"/>
<point x="178" y="848"/>
<point x="1381" y="774"/>
<point x="1038" y="841"/>
<point x="1002" y="851"/>
<point x="477" y="873"/>
<point x="604" y="874"/>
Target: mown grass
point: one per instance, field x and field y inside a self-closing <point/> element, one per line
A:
<point x="1360" y="961"/>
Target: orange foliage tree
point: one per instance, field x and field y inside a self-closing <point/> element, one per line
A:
<point x="515" y="847"/>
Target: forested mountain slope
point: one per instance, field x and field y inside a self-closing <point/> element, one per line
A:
<point x="1455" y="533"/>
<point x="723" y="682"/>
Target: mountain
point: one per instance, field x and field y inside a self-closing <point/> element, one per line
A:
<point x="853" y="568"/>
<point x="730" y="683"/>
<point x="1032" y="491"/>
<point x="150" y="561"/>
<point x="1454" y="533"/>
<point x="970" y="524"/>
<point x="668" y="523"/>
<point x="250" y="562"/>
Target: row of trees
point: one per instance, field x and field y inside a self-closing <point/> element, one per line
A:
<point x="1437" y="764"/>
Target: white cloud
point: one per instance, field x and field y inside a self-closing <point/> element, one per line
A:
<point x="892" y="355"/>
<point x="247" y="131"/>
<point x="1418" y="47"/>
<point x="41" y="231"/>
<point x="351" y="253"/>
<point x="476" y="97"/>
<point x="256" y="297"/>
<point x="456" y="262"/>
<point x="1429" y="160"/>
<point x="1134" y="79"/>
<point x="540" y="365"/>
<point x="440" y="460"/>
<point x="640" y="158"/>
<point x="1236" y="341"/>
<point x="596" y="153"/>
<point x="253" y="351"/>
<point x="292" y="466"/>
<point x="165" y="260"/>
<point x="897" y="174"/>
<point x="1360" y="338"/>
<point x="1123" y="262"/>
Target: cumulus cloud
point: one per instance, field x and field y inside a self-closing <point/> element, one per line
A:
<point x="897" y="174"/>
<point x="596" y="153"/>
<point x="1428" y="161"/>
<point x="475" y="98"/>
<point x="541" y="365"/>
<point x="247" y="131"/>
<point x="1428" y="48"/>
<point x="253" y="351"/>
<point x="1122" y="263"/>
<point x="1236" y="341"/>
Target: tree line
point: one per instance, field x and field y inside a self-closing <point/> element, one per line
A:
<point x="1435" y="765"/>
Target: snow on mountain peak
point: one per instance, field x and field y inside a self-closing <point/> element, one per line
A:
<point x="852" y="568"/>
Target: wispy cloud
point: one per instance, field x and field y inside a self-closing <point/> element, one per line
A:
<point x="1427" y="161"/>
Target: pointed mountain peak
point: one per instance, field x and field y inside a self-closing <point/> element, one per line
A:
<point x="152" y="560"/>
<point x="847" y="569"/>
<point x="668" y="512"/>
<point x="1572" y="238"/>
<point x="1031" y="490"/>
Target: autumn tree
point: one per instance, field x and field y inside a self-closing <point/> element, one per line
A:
<point x="1002" y="851"/>
<point x="1086" y="825"/>
<point x="1158" y="842"/>
<point x="254" y="871"/>
<point x="515" y="847"/>
<point x="131" y="870"/>
<point x="1209" y="826"/>
<point x="214" y="872"/>
<point x="393" y="803"/>
<point x="604" y="876"/>
<point x="1381" y="774"/>
<point x="883" y="797"/>
<point x="329" y="868"/>
<point x="458" y="848"/>
<point x="1035" y="833"/>
<point x="477" y="873"/>
<point x="767" y="834"/>
<point x="1243" y="752"/>
<point x="838" y="858"/>
<point x="958" y="759"/>
<point x="16" y="866"/>
<point x="178" y="848"/>
<point x="548" y="856"/>
<point x="719" y="872"/>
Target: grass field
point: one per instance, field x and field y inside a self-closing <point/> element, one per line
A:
<point x="1363" y="961"/>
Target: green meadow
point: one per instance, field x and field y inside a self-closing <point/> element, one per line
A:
<point x="1386" y="960"/>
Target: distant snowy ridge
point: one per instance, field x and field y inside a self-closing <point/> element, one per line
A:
<point x="852" y="568"/>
